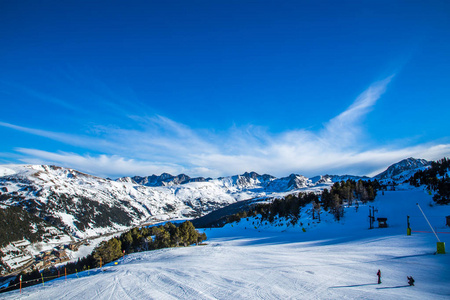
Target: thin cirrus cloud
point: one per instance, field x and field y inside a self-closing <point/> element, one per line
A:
<point x="40" y="96"/>
<point x="82" y="141"/>
<point x="344" y="127"/>
<point x="163" y="145"/>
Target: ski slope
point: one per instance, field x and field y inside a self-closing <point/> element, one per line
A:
<point x="328" y="261"/>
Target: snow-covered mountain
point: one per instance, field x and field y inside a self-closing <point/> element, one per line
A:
<point x="403" y="170"/>
<point x="263" y="183"/>
<point x="164" y="179"/>
<point x="85" y="205"/>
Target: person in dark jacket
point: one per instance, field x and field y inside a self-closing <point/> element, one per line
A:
<point x="410" y="280"/>
<point x="379" y="276"/>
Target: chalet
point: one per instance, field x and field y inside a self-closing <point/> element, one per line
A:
<point x="61" y="255"/>
<point x="39" y="265"/>
<point x="74" y="247"/>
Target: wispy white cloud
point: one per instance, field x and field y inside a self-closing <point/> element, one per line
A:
<point x="163" y="145"/>
<point x="71" y="139"/>
<point x="344" y="129"/>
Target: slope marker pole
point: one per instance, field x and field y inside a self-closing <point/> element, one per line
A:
<point x="440" y="246"/>
<point x="428" y="222"/>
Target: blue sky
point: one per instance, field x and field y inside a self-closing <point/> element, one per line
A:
<point x="216" y="88"/>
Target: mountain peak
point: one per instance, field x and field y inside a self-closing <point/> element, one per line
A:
<point x="251" y="174"/>
<point x="395" y="171"/>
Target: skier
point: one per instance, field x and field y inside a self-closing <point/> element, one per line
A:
<point x="410" y="280"/>
<point x="379" y="276"/>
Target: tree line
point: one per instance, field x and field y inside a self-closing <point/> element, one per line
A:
<point x="17" y="224"/>
<point x="348" y="192"/>
<point x="342" y="193"/>
<point x="436" y="179"/>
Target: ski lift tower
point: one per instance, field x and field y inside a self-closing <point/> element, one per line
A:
<point x="372" y="211"/>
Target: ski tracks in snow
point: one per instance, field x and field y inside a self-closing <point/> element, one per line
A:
<point x="179" y="285"/>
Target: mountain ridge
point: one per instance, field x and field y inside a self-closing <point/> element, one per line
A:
<point x="166" y="179"/>
<point x="87" y="205"/>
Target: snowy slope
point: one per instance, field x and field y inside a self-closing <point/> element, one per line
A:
<point x="328" y="261"/>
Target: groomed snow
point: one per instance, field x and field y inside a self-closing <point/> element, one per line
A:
<point x="328" y="261"/>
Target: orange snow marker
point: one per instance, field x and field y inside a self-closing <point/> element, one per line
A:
<point x="20" y="280"/>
